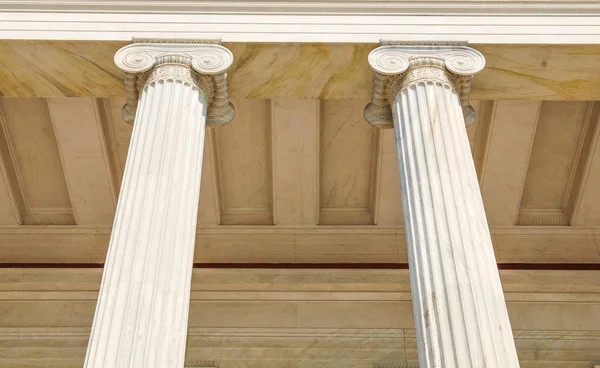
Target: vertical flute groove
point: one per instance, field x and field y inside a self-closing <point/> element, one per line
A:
<point x="160" y="278"/>
<point x="141" y="316"/>
<point x="151" y="298"/>
<point x="459" y="306"/>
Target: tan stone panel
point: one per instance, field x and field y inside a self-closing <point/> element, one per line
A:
<point x="554" y="316"/>
<point x="538" y="248"/>
<point x="52" y="246"/>
<point x="46" y="313"/>
<point x="68" y="279"/>
<point x="85" y="160"/>
<point x="253" y="362"/>
<point x="355" y="314"/>
<point x="344" y="246"/>
<point x="242" y="314"/>
<point x="348" y="164"/>
<point x="370" y="280"/>
<point x="550" y="281"/>
<point x="43" y="362"/>
<point x="204" y="279"/>
<point x="11" y="279"/>
<point x="346" y="258"/>
<point x="285" y="280"/>
<point x="305" y="245"/>
<point x="296" y="339"/>
<point x="518" y="285"/>
<point x="512" y="131"/>
<point x="295" y="128"/>
<point x="243" y="157"/>
<point x="553" y="159"/>
<point x="43" y="347"/>
<point x="315" y="356"/>
<point x="255" y="246"/>
<point x="224" y="248"/>
<point x="554" y="364"/>
<point x="37" y="169"/>
<point x="556" y="348"/>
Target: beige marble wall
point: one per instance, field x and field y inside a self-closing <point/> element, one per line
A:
<point x="307" y="71"/>
<point x="297" y="318"/>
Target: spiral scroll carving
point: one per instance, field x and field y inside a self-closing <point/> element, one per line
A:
<point x="212" y="61"/>
<point x="205" y="58"/>
<point x="465" y="61"/>
<point x="388" y="62"/>
<point x="203" y="65"/>
<point x="395" y="59"/>
<point x="400" y="63"/>
<point x="135" y="62"/>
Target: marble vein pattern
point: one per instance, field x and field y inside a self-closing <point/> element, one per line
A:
<point x="299" y="70"/>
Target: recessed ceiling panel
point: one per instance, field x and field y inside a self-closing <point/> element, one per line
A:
<point x="243" y="157"/>
<point x="31" y="153"/>
<point x="349" y="154"/>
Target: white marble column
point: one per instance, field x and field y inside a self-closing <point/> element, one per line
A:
<point x="459" y="307"/>
<point x="142" y="312"/>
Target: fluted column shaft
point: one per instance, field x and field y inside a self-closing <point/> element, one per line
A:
<point x="459" y="308"/>
<point x="142" y="311"/>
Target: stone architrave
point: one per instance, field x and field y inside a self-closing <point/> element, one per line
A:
<point x="174" y="91"/>
<point x="422" y="91"/>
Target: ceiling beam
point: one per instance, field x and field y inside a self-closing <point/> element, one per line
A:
<point x="295" y="140"/>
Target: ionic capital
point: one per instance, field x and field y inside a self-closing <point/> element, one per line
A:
<point x="399" y="66"/>
<point x="200" y="64"/>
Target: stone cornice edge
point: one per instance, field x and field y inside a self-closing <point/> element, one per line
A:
<point x="497" y="22"/>
<point x="447" y="7"/>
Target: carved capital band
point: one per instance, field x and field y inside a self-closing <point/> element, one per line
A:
<point x="399" y="66"/>
<point x="201" y="65"/>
